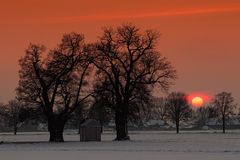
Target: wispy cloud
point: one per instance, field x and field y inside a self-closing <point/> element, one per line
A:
<point x="129" y="15"/>
<point x="141" y="15"/>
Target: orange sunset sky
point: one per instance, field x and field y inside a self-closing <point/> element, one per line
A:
<point x="200" y="37"/>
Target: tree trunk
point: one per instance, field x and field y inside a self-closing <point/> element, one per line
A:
<point x="55" y="128"/>
<point x="223" y="124"/>
<point x="121" y="126"/>
<point x="15" y="130"/>
<point x="177" y="126"/>
<point x="101" y="126"/>
<point x="79" y="126"/>
<point x="14" y="127"/>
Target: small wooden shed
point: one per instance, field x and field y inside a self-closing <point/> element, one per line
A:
<point x="90" y="130"/>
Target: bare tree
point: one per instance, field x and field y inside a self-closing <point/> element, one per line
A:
<point x="224" y="107"/>
<point x="202" y="115"/>
<point x="14" y="114"/>
<point x="2" y="108"/>
<point x="2" y="113"/>
<point x="159" y="109"/>
<point x="178" y="108"/>
<point x="80" y="115"/>
<point x="129" y="62"/>
<point x="55" y="81"/>
<point x="101" y="109"/>
<point x="13" y="111"/>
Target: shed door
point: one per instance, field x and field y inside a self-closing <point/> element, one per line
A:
<point x="92" y="134"/>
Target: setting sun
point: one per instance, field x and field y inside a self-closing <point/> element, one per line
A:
<point x="197" y="101"/>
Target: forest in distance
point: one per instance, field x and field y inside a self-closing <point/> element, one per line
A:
<point x="110" y="80"/>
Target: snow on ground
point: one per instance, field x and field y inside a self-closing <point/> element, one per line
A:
<point x="144" y="145"/>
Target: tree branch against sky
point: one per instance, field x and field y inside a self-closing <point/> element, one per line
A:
<point x="193" y="33"/>
<point x="128" y="59"/>
<point x="55" y="81"/>
<point x="224" y="106"/>
<point x="178" y="108"/>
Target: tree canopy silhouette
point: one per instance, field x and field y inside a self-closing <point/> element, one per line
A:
<point x="178" y="108"/>
<point x="129" y="65"/>
<point x="55" y="80"/>
<point x="224" y="106"/>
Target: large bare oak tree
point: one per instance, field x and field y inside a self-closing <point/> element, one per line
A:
<point x="130" y="65"/>
<point x="55" y="80"/>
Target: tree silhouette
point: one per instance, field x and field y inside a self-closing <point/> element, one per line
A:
<point x="130" y="65"/>
<point x="79" y="115"/>
<point x="101" y="109"/>
<point x="2" y="110"/>
<point x="55" y="81"/>
<point x="13" y="114"/>
<point x="178" y="108"/>
<point x="202" y="114"/>
<point x="160" y="108"/>
<point x="224" y="106"/>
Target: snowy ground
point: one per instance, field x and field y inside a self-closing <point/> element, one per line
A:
<point x="147" y="145"/>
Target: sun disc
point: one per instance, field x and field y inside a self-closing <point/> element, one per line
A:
<point x="197" y="101"/>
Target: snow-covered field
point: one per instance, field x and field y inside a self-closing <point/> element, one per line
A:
<point x="144" y="145"/>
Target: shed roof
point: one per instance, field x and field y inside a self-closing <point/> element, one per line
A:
<point x="91" y="123"/>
